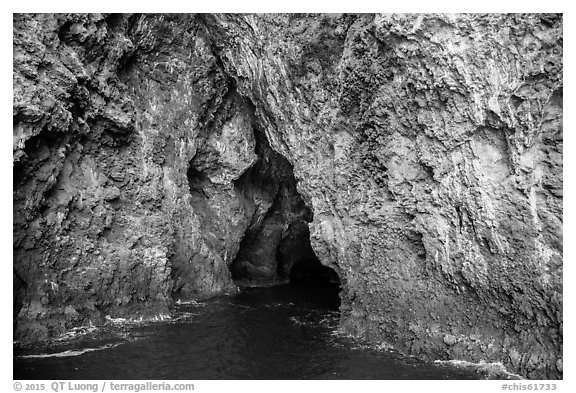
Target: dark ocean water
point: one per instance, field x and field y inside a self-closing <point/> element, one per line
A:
<point x="282" y="332"/>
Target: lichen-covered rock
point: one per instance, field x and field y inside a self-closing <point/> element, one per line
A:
<point x="428" y="148"/>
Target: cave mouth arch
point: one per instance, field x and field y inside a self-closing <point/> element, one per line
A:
<point x="298" y="271"/>
<point x="268" y="240"/>
<point x="276" y="247"/>
<point x="277" y="250"/>
<point x="294" y="262"/>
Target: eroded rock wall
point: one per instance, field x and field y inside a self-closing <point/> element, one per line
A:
<point x="428" y="148"/>
<point x="108" y="113"/>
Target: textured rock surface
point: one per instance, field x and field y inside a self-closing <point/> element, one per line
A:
<point x="428" y="149"/>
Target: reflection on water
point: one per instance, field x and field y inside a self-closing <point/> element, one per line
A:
<point x="284" y="332"/>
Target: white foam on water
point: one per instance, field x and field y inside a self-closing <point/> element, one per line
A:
<point x="296" y="321"/>
<point x="338" y="333"/>
<point x="281" y="305"/>
<point x="184" y="316"/>
<point x="275" y="305"/>
<point x="68" y="353"/>
<point x="161" y="318"/>
<point x="189" y="303"/>
<point x="116" y="320"/>
<point x="131" y="321"/>
<point x="76" y="332"/>
<point x="330" y="320"/>
<point x="490" y="369"/>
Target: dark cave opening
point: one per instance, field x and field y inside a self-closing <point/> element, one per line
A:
<point x="196" y="182"/>
<point x="265" y="260"/>
<point x="276" y="246"/>
<point x="289" y="263"/>
<point x="298" y="262"/>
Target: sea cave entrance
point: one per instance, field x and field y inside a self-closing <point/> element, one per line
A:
<point x="276" y="248"/>
<point x="294" y="269"/>
<point x="270" y="241"/>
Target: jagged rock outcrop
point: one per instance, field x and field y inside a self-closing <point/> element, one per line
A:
<point x="426" y="153"/>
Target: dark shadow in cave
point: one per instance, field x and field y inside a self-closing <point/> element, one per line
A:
<point x="196" y="182"/>
<point x="306" y="273"/>
<point x="276" y="247"/>
<point x="302" y="278"/>
<point x="319" y="283"/>
<point x="297" y="260"/>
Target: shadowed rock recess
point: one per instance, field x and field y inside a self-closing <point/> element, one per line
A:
<point x="419" y="157"/>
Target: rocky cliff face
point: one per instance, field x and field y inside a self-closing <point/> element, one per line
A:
<point x="159" y="157"/>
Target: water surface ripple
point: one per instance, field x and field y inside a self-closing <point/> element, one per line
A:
<point x="283" y="332"/>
